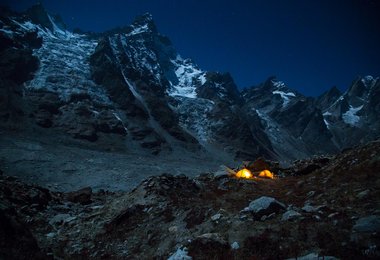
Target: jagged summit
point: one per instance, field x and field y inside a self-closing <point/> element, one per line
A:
<point x="369" y="81"/>
<point x="39" y="16"/>
<point x="142" y="24"/>
<point x="131" y="82"/>
<point x="144" y="19"/>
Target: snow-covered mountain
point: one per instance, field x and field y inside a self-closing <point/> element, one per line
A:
<point x="130" y="85"/>
<point x="353" y="117"/>
<point x="293" y="123"/>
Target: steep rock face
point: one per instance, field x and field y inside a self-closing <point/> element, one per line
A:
<point x="327" y="98"/>
<point x="182" y="102"/>
<point x="17" y="65"/>
<point x="294" y="124"/>
<point x="228" y="123"/>
<point x="353" y="117"/>
<point x="129" y="85"/>
<point x="134" y="78"/>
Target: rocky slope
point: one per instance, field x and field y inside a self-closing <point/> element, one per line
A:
<point x="130" y="86"/>
<point x="327" y="207"/>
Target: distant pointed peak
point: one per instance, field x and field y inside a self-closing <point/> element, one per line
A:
<point x="278" y="83"/>
<point x="38" y="15"/>
<point x="147" y="16"/>
<point x="273" y="83"/>
<point x="144" y="21"/>
<point x="334" y="90"/>
<point x="368" y="81"/>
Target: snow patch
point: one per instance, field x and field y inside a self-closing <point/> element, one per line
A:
<point x="27" y="26"/>
<point x="278" y="84"/>
<point x="203" y="78"/>
<point x="326" y="123"/>
<point x="180" y="254"/>
<point x="138" y="30"/>
<point x="7" y="32"/>
<point x="186" y="74"/>
<point x="350" y="116"/>
<point x="285" y="96"/>
<point x="64" y="63"/>
<point x="121" y="121"/>
<point x="369" y="81"/>
<point x="221" y="90"/>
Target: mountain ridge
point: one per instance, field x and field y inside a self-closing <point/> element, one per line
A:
<point x="132" y="83"/>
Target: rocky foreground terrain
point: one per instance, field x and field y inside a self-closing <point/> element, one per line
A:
<point x="326" y="206"/>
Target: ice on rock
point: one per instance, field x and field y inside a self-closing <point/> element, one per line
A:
<point x="285" y="96"/>
<point x="350" y="116"/>
<point x="64" y="63"/>
<point x="139" y="30"/>
<point x="180" y="254"/>
<point x="369" y="81"/>
<point x="187" y="74"/>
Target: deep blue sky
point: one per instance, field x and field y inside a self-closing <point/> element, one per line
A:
<point x="311" y="45"/>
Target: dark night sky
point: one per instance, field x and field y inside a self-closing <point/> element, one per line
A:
<point x="311" y="45"/>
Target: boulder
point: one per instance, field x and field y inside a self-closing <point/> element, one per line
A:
<point x="264" y="206"/>
<point x="290" y="215"/>
<point x="16" y="239"/>
<point x="209" y="246"/>
<point x="368" y="224"/>
<point x="180" y="254"/>
<point x="82" y="196"/>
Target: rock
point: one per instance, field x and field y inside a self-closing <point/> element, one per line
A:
<point x="209" y="245"/>
<point x="314" y="256"/>
<point x="264" y="206"/>
<point x="180" y="254"/>
<point x="16" y="239"/>
<point x="108" y="122"/>
<point x="310" y="209"/>
<point x="265" y="217"/>
<point x="362" y="195"/>
<point x="195" y="217"/>
<point x="82" y="196"/>
<point x="216" y="217"/>
<point x="60" y="219"/>
<point x="369" y="224"/>
<point x="310" y="193"/>
<point x="51" y="235"/>
<point x="173" y="229"/>
<point x="43" y="118"/>
<point x="223" y="171"/>
<point x="290" y="215"/>
<point x="235" y="245"/>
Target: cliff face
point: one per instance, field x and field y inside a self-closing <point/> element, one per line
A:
<point x="130" y="86"/>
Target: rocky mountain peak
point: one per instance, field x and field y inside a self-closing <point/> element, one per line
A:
<point x="360" y="90"/>
<point x="326" y="99"/>
<point x="369" y="81"/>
<point x="143" y="24"/>
<point x="269" y="83"/>
<point x="219" y="86"/>
<point x="39" y="16"/>
<point x="161" y="101"/>
<point x="334" y="91"/>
